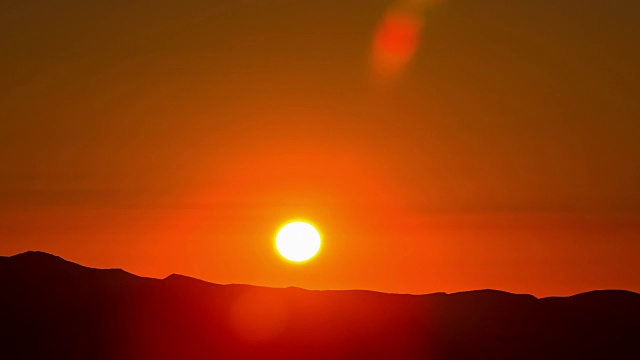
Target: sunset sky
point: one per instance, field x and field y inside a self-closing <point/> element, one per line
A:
<point x="437" y="145"/>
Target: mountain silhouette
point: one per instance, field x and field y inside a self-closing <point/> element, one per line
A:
<point x="54" y="309"/>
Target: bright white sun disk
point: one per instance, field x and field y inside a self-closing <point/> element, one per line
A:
<point x="298" y="241"/>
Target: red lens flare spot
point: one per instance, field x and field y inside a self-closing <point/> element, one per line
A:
<point x="395" y="43"/>
<point x="398" y="35"/>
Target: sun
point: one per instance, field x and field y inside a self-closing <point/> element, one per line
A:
<point x="298" y="241"/>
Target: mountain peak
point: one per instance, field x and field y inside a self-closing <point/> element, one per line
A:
<point x="36" y="254"/>
<point x="38" y="258"/>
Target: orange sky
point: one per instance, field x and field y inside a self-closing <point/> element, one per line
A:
<point x="437" y="145"/>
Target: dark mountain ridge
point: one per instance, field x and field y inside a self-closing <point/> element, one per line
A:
<point x="51" y="308"/>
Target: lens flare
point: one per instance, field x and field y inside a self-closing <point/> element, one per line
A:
<point x="398" y="37"/>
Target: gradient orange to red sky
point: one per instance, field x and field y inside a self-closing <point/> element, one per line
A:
<point x="437" y="145"/>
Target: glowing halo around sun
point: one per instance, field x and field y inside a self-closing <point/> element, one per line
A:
<point x="298" y="241"/>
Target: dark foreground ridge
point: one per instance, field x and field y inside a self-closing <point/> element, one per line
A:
<point x="54" y="309"/>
